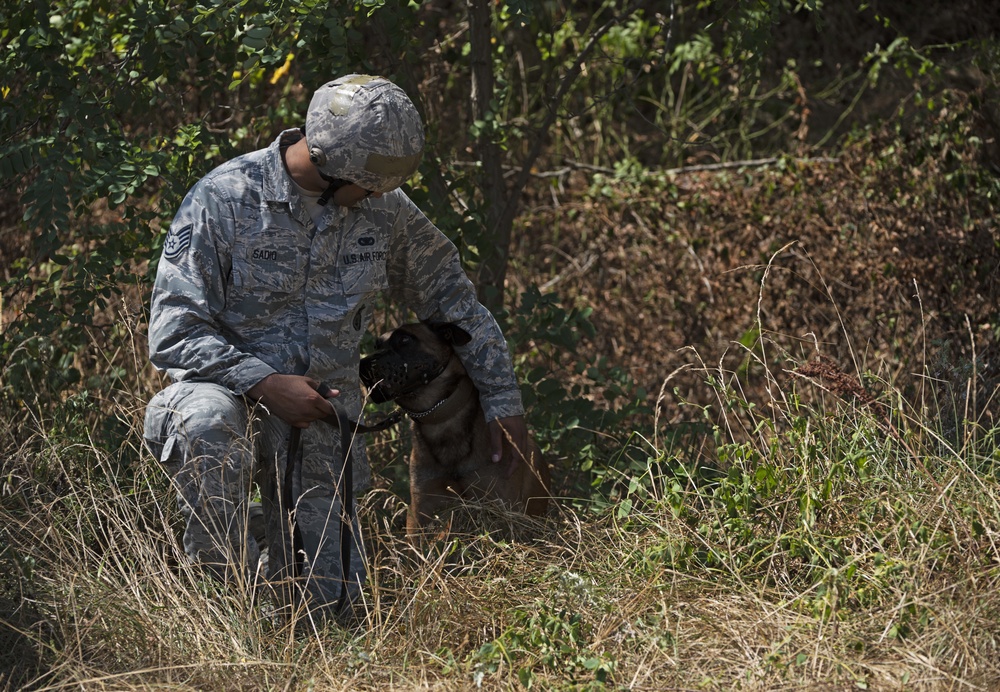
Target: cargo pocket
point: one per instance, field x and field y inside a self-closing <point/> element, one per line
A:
<point x="268" y="279"/>
<point x="170" y="456"/>
<point x="365" y="278"/>
<point x="364" y="252"/>
<point x="250" y="277"/>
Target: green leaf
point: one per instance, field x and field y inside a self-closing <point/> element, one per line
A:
<point x="259" y="32"/>
<point x="624" y="508"/>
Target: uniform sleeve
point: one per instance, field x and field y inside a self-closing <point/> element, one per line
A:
<point x="185" y="337"/>
<point x="426" y="275"/>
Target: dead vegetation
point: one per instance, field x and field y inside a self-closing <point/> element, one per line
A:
<point x="880" y="258"/>
<point x="829" y="321"/>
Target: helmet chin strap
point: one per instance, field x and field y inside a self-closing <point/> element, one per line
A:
<point x="334" y="185"/>
<point x="327" y="194"/>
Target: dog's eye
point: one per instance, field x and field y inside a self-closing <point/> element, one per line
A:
<point x="403" y="340"/>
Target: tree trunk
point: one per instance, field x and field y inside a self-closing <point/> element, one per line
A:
<point x="494" y="247"/>
<point x="502" y="203"/>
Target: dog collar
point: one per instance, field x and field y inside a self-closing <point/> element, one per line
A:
<point x="459" y="395"/>
<point x="421" y="414"/>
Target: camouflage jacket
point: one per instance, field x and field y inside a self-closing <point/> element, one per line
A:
<point x="249" y="285"/>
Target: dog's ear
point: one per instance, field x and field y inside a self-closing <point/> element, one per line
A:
<point x="452" y="333"/>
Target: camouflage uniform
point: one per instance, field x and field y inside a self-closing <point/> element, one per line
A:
<point x="248" y="285"/>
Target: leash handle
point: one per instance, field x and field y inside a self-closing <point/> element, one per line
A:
<point x="294" y="457"/>
<point x="345" y="488"/>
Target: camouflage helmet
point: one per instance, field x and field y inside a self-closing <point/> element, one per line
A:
<point x="364" y="130"/>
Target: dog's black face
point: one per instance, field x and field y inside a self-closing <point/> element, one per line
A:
<point x="408" y="358"/>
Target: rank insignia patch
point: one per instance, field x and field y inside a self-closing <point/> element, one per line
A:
<point x="177" y="242"/>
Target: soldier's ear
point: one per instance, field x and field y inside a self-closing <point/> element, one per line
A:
<point x="452" y="333"/>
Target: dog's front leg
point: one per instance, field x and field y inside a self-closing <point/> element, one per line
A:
<point x="429" y="496"/>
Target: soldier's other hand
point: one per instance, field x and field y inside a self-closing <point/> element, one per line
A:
<point x="513" y="432"/>
<point x="293" y="398"/>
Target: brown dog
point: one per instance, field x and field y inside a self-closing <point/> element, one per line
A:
<point x="415" y="365"/>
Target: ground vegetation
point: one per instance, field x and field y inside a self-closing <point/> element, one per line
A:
<point x="747" y="257"/>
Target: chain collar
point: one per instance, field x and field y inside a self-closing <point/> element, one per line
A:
<point x="464" y="389"/>
<point x="415" y="414"/>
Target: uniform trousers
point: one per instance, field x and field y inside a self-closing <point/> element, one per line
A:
<point x="219" y="449"/>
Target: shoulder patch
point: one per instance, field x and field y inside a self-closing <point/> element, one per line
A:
<point x="177" y="242"/>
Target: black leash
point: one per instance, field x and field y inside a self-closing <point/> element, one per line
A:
<point x="345" y="489"/>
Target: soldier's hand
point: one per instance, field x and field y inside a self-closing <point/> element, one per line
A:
<point x="293" y="398"/>
<point x="513" y="432"/>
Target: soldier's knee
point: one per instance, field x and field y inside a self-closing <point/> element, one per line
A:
<point x="196" y="410"/>
<point x="214" y="406"/>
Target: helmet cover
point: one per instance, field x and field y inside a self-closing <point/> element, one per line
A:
<point x="365" y="130"/>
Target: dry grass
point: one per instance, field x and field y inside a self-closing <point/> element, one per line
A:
<point x="801" y="568"/>
<point x="838" y="544"/>
<point x="850" y="542"/>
